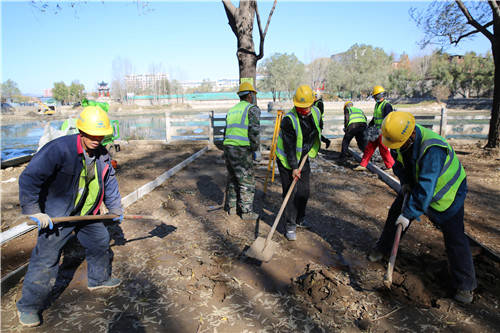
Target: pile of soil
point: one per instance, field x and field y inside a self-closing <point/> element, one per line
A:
<point x="186" y="271"/>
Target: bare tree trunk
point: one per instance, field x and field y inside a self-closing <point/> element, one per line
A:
<point x="493" y="134"/>
<point x="241" y="22"/>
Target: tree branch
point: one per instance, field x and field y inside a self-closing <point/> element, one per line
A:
<point x="473" y="22"/>
<point x="263" y="34"/>
<point x="495" y="8"/>
<point x="468" y="34"/>
<point x="231" y="12"/>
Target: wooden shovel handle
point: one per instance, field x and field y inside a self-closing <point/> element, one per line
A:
<point x="394" y="251"/>
<point x="283" y="205"/>
<point x="92" y="218"/>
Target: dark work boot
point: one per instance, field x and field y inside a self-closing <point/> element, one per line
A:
<point x="303" y="224"/>
<point x="464" y="296"/>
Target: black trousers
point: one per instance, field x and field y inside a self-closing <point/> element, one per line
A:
<point x="354" y="130"/>
<point x="295" y="209"/>
<point x="463" y="275"/>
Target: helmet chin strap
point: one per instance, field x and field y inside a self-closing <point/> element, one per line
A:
<point x="407" y="144"/>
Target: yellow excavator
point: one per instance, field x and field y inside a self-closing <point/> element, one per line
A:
<point x="46" y="108"/>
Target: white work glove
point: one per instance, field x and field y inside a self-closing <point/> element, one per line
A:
<point x="257" y="156"/>
<point x="403" y="221"/>
<point x="43" y="221"/>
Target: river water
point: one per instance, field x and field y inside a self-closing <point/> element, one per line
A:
<point x="22" y="138"/>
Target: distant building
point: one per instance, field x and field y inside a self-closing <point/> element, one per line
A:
<point x="404" y="62"/>
<point x="102" y="89"/>
<point x="190" y="84"/>
<point x="225" y="84"/>
<point x="144" y="82"/>
<point x="47" y="93"/>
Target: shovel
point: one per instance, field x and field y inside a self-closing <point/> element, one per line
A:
<point x="263" y="248"/>
<point x="394" y="252"/>
<point x="93" y="218"/>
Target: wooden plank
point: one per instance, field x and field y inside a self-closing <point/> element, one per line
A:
<point x="10" y="280"/>
<point x="489" y="252"/>
<point x="15" y="232"/>
<point x="145" y="189"/>
<point x="394" y="184"/>
<point x="17" y="160"/>
<point x="384" y="176"/>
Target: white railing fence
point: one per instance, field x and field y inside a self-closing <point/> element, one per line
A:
<point x="210" y="127"/>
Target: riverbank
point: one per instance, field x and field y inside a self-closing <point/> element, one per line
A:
<point x="331" y="107"/>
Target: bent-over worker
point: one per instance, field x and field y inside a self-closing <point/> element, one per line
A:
<point x="354" y="126"/>
<point x="435" y="180"/>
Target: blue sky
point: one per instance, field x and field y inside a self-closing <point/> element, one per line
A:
<point x="191" y="40"/>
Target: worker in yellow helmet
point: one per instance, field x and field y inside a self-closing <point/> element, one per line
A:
<point x="70" y="175"/>
<point x="435" y="182"/>
<point x="381" y="110"/>
<point x="300" y="136"/>
<point x="354" y="126"/>
<point x="241" y="141"/>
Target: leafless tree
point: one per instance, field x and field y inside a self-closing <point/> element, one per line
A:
<point x="450" y="22"/>
<point x="317" y="71"/>
<point x="241" y="21"/>
<point x="121" y="67"/>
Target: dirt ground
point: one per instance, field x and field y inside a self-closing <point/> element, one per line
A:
<point x="186" y="270"/>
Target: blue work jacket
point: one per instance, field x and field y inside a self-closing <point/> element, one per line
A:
<point x="430" y="166"/>
<point x="49" y="184"/>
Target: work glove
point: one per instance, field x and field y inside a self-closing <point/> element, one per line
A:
<point x="403" y="221"/>
<point x="118" y="219"/>
<point x="42" y="220"/>
<point x="257" y="155"/>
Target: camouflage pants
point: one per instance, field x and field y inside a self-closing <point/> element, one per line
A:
<point x="240" y="188"/>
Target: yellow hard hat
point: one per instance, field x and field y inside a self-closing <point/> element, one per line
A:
<point x="347" y="103"/>
<point x="397" y="127"/>
<point x="377" y="90"/>
<point x="304" y="96"/>
<point x="246" y="86"/>
<point x="94" y="121"/>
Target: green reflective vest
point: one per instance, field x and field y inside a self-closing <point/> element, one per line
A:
<point x="280" y="150"/>
<point x="89" y="193"/>
<point x="69" y="125"/>
<point x="451" y="176"/>
<point x="356" y="116"/>
<point x="237" y="125"/>
<point x="378" y="118"/>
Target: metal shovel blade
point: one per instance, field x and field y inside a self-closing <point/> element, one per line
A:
<point x="258" y="250"/>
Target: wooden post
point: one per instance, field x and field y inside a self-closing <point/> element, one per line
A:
<point x="443" y="123"/>
<point x="211" y="128"/>
<point x="168" y="130"/>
